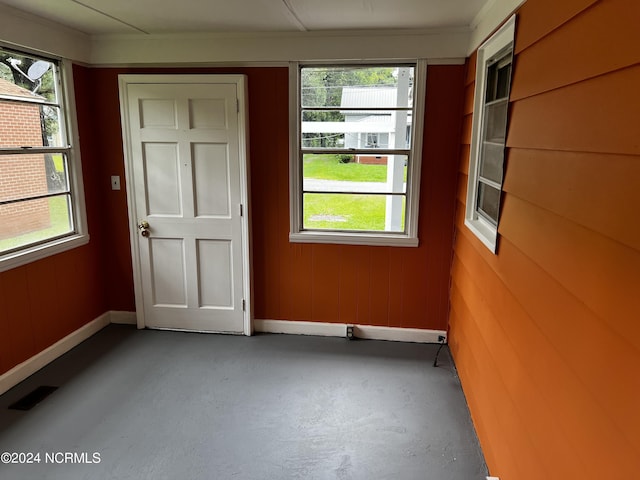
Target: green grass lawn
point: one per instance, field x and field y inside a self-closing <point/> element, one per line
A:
<point x="329" y="167"/>
<point x="59" y="225"/>
<point x="344" y="211"/>
<point x="58" y="216"/>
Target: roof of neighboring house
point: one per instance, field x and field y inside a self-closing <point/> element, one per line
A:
<point x="368" y="96"/>
<point x="10" y="89"/>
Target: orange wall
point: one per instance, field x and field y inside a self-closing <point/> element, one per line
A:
<point x="329" y="283"/>
<point x="44" y="301"/>
<point x="546" y="334"/>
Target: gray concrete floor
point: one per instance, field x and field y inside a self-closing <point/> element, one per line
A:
<point x="169" y="405"/>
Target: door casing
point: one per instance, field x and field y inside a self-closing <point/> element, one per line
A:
<point x="124" y="81"/>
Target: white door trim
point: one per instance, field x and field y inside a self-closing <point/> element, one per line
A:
<point x="124" y="81"/>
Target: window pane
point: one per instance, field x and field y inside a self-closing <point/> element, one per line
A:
<point x="488" y="202"/>
<point x="354" y="173"/>
<point x="32" y="78"/>
<point x="52" y="135"/>
<point x="492" y="162"/>
<point x="498" y="78"/>
<point x="351" y="212"/>
<point x="357" y="86"/>
<point x="356" y="129"/>
<point x="503" y="80"/>
<point x="30" y="175"/>
<point x="28" y="222"/>
<point x="31" y="125"/>
<point x="496" y="122"/>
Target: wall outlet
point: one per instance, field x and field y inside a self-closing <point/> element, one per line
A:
<point x="350" y="332"/>
<point x="115" y="182"/>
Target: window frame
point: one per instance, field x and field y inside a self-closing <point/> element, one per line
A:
<point x="498" y="46"/>
<point x="68" y="124"/>
<point x="408" y="238"/>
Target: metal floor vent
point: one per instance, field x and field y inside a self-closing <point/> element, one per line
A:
<point x="30" y="400"/>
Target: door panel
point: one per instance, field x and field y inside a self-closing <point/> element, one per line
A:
<point x="162" y="179"/>
<point x="167" y="272"/>
<point x="215" y="262"/>
<point x="211" y="177"/>
<point x="185" y="153"/>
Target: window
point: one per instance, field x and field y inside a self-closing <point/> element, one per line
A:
<point x="356" y="140"/>
<point x="486" y="166"/>
<point x="41" y="203"/>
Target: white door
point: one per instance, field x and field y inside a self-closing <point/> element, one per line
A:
<point x="187" y="180"/>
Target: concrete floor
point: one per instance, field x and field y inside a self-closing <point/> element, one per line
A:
<point x="169" y="405"/>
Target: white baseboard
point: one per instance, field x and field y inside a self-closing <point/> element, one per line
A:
<point x="123" y="318"/>
<point x="370" y="332"/>
<point x="300" y="328"/>
<point x="27" y="368"/>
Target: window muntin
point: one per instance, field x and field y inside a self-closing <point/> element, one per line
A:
<point x="38" y="190"/>
<point x="355" y="151"/>
<point x="488" y="143"/>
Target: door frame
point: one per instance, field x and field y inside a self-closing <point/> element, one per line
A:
<point x="124" y="81"/>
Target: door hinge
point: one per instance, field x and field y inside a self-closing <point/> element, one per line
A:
<point x="241" y="210"/>
<point x="244" y="305"/>
<point x="237" y="105"/>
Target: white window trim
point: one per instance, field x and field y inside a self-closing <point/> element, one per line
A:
<point x="408" y="239"/>
<point x="81" y="237"/>
<point x="485" y="231"/>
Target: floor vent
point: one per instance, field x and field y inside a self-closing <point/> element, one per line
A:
<point x="30" y="400"/>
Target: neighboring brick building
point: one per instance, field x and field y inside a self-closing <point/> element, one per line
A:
<point x="21" y="175"/>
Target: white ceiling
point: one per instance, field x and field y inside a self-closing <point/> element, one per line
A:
<point x="97" y="17"/>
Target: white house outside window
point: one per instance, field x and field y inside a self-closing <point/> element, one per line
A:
<point x="355" y="153"/>
<point x="41" y="205"/>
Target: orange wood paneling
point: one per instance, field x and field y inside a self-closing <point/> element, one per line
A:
<point x="469" y="95"/>
<point x="546" y="330"/>
<point x="396" y="292"/>
<point x="502" y="417"/>
<point x="299" y="281"/>
<point x="540" y="319"/>
<point x="587" y="264"/>
<point x="467" y="125"/>
<point x="465" y="152"/>
<point x="18" y="344"/>
<point x="462" y="190"/>
<point x="583" y="117"/>
<point x="348" y="284"/>
<point x="581" y="187"/>
<point x="609" y="39"/>
<point x="325" y="284"/>
<point x="538" y="18"/>
<point x="470" y="69"/>
<point x="550" y="445"/>
<point x="379" y="288"/>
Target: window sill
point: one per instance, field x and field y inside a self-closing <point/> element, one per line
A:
<point x="38" y="252"/>
<point x="353" y="238"/>
<point x="487" y="234"/>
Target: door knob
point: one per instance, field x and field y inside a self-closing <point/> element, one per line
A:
<point x="143" y="226"/>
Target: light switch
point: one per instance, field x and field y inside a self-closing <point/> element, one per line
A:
<point x="115" y="182"/>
